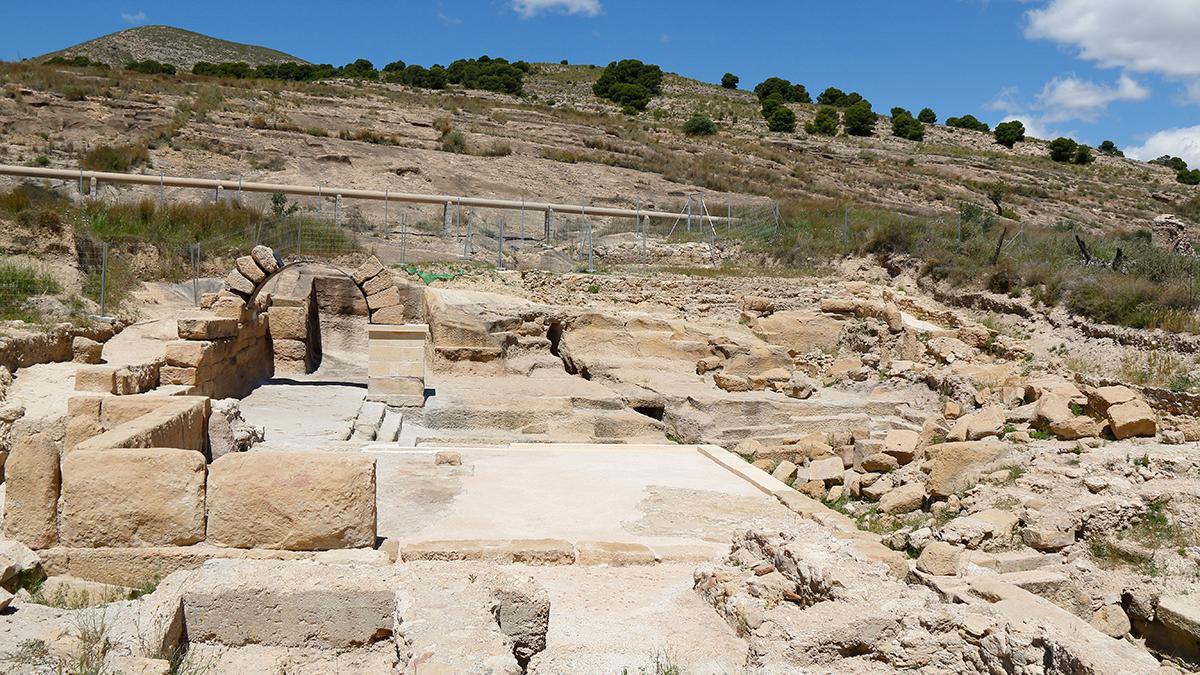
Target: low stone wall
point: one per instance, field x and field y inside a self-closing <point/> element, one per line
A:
<point x="119" y="380"/>
<point x="220" y="356"/>
<point x="119" y="498"/>
<point x="138" y="421"/>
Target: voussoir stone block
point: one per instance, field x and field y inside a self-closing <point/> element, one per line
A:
<point x="237" y="282"/>
<point x="132" y="497"/>
<point x="250" y="269"/>
<point x="366" y="271"/>
<point x="291" y="501"/>
<point x="265" y="258"/>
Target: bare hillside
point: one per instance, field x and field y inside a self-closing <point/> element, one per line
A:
<point x="167" y="44"/>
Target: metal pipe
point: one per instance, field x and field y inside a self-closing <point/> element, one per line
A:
<point x="375" y="195"/>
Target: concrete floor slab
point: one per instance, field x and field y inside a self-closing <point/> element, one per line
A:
<point x="671" y="498"/>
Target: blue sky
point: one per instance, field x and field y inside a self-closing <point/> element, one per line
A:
<point x="1092" y="69"/>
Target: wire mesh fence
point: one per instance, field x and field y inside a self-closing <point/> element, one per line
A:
<point x="133" y="234"/>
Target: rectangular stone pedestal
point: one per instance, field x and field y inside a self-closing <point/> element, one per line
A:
<point x="396" y="364"/>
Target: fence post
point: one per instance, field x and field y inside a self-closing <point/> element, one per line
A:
<point x="549" y="224"/>
<point x="500" y="248"/>
<point x="217" y="194"/>
<point x="403" y="238"/>
<point x="589" y="236"/>
<point x="337" y="210"/>
<point x="196" y="273"/>
<point x="522" y="218"/>
<point x="689" y="214"/>
<point x="103" y="276"/>
<point x="161" y="191"/>
<point x="319" y="200"/>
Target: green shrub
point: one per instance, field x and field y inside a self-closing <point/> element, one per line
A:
<point x="968" y="122"/>
<point x="1063" y="149"/>
<point x="900" y="112"/>
<point x="927" y="116"/>
<point x="1083" y="155"/>
<point x="781" y="119"/>
<point x="860" y="119"/>
<point x="498" y="149"/>
<point x="360" y="69"/>
<point x="1176" y="163"/>
<point x="825" y="123"/>
<point x="76" y="62"/>
<point x="1109" y="148"/>
<point x="783" y="89"/>
<point x="150" y="67"/>
<point x="488" y="74"/>
<point x="1189" y="177"/>
<point x="418" y="76"/>
<point x="730" y="81"/>
<point x="454" y="141"/>
<point x="699" y="124"/>
<point x="907" y="127"/>
<point x="119" y="158"/>
<point x="838" y="98"/>
<point x="630" y="84"/>
<point x="236" y="70"/>
<point x="1010" y="133"/>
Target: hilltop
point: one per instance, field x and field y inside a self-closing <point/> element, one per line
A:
<point x="167" y="44"/>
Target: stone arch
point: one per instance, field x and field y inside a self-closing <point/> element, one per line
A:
<point x="390" y="300"/>
<point x="293" y="323"/>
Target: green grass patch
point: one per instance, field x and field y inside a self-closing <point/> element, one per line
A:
<point x="19" y="283"/>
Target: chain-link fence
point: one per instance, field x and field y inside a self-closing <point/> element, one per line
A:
<point x="191" y="236"/>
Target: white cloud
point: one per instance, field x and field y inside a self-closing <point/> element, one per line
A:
<point x="1191" y="92"/>
<point x="1183" y="143"/>
<point x="1070" y="98"/>
<point x="1154" y="36"/>
<point x="134" y="17"/>
<point x="529" y="8"/>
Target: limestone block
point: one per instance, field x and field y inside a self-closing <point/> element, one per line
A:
<point x="299" y="604"/>
<point x="613" y="554"/>
<point x="86" y="350"/>
<point x="903" y="499"/>
<point x="1132" y="418"/>
<point x="290" y="350"/>
<point x="986" y="422"/>
<point x="239" y="284"/>
<point x="98" y="379"/>
<point x="1101" y="398"/>
<point x="31" y="498"/>
<point x="366" y="271"/>
<point x="827" y="469"/>
<point x="339" y="295"/>
<point x="380" y="282"/>
<point x="289" y="323"/>
<point x="955" y="467"/>
<point x="940" y="559"/>
<point x="388" y="297"/>
<point x="266" y="259"/>
<point x="250" y="269"/>
<point x="179" y="422"/>
<point x="206" y="327"/>
<point x="901" y="444"/>
<point x="132" y="497"/>
<point x="389" y="315"/>
<point x="292" y="501"/>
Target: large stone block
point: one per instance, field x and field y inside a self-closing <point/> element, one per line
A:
<point x="288" y="604"/>
<point x="1132" y="418"/>
<point x="265" y="258"/>
<point x="31" y="498"/>
<point x="955" y="467"/>
<point x="179" y="422"/>
<point x="132" y="497"/>
<point x="292" y="501"/>
<point x="368" y="270"/>
<point x="95" y="378"/>
<point x="250" y="269"/>
<point x="388" y="297"/>
<point x="380" y="282"/>
<point x="239" y="284"/>
<point x="206" y="327"/>
<point x="339" y="295"/>
<point x="289" y="323"/>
